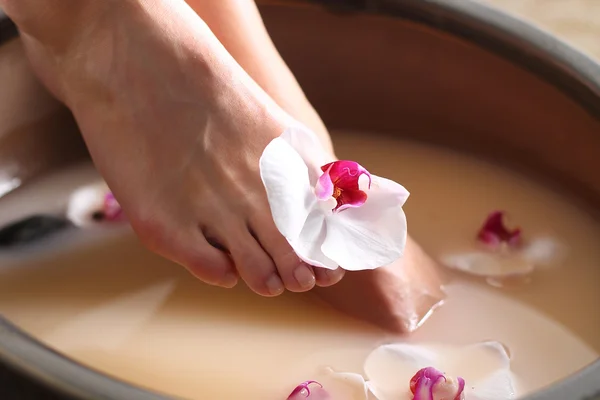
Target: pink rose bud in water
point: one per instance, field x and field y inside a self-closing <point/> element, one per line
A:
<point x="303" y="391"/>
<point x="340" y="180"/>
<point x="494" y="232"/>
<point x="431" y="384"/>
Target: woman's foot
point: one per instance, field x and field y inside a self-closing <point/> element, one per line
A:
<point x="398" y="297"/>
<point x="176" y="128"/>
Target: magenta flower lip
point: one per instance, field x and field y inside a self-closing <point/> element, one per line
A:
<point x="431" y="384"/>
<point x="340" y="180"/>
<point x="112" y="210"/>
<point x="303" y="390"/>
<point x="493" y="232"/>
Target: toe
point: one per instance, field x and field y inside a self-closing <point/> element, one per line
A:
<point x="296" y="275"/>
<point x="211" y="265"/>
<point x="328" y="277"/>
<point x="253" y="264"/>
<point x="192" y="250"/>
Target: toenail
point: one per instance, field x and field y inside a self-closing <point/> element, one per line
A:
<point x="230" y="279"/>
<point x="275" y="285"/>
<point x="304" y="276"/>
<point x="333" y="273"/>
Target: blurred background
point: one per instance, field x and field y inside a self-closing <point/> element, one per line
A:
<point x="575" y="21"/>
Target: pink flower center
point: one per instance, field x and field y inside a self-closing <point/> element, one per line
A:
<point x="340" y="181"/>
<point x="303" y="391"/>
<point x="431" y="384"/>
<point x="112" y="209"/>
<point x="494" y="233"/>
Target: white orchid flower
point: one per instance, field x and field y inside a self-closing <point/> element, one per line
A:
<point x="333" y="213"/>
<point x="402" y="371"/>
<point x="413" y="372"/>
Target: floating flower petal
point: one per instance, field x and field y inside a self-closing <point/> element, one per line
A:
<point x="494" y="232"/>
<point x="489" y="265"/>
<point x="303" y="391"/>
<point x="485" y="366"/>
<point x="544" y="252"/>
<point x="354" y="384"/>
<point x="321" y="208"/>
<point x="431" y="384"/>
<point x="508" y="255"/>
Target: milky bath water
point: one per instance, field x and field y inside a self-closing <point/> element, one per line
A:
<point x="96" y="295"/>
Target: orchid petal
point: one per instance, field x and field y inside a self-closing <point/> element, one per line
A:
<point x="309" y="148"/>
<point x="308" y="243"/>
<point x="389" y="368"/>
<point x="388" y="192"/>
<point x="305" y="391"/>
<point x="340" y="179"/>
<point x="85" y="202"/>
<point x="289" y="191"/>
<point x="431" y="384"/>
<point x="484" y="366"/>
<point x="346" y="174"/>
<point x="494" y="232"/>
<point x="545" y="252"/>
<point x="324" y="187"/>
<point x="364" y="183"/>
<point x="111" y="208"/>
<point x="354" y="383"/>
<point x="370" y="236"/>
<point x="489" y="265"/>
<point x="351" y="199"/>
<point x="371" y="231"/>
<point x="497" y="386"/>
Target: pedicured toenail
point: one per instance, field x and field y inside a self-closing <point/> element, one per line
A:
<point x="333" y="274"/>
<point x="304" y="276"/>
<point x="275" y="285"/>
<point x="230" y="280"/>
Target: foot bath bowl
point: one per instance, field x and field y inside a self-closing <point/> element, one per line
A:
<point x="472" y="110"/>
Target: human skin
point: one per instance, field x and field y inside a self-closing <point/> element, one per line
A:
<point x="176" y="115"/>
<point x="175" y="126"/>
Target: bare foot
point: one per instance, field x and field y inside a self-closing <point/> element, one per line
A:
<point x="397" y="297"/>
<point x="176" y="128"/>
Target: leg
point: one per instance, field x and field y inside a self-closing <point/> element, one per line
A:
<point x="396" y="297"/>
<point x="176" y="128"/>
<point x="238" y="25"/>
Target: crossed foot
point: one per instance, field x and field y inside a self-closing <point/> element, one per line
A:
<point x="176" y="128"/>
